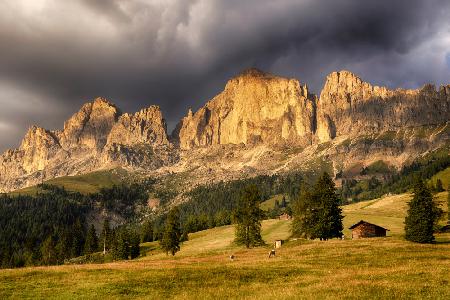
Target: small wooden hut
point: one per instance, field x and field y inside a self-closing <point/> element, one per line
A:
<point x="278" y="243"/>
<point x="364" y="229"/>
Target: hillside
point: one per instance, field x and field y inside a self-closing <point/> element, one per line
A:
<point x="85" y="184"/>
<point x="444" y="176"/>
<point x="376" y="268"/>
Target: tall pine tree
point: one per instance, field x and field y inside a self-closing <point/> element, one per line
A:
<point x="64" y="245"/>
<point x="91" y="244"/>
<point x="439" y="186"/>
<point x="302" y="209"/>
<point x="121" y="243"/>
<point x="248" y="218"/>
<point x="134" y="245"/>
<point x="147" y="231"/>
<point x="170" y="241"/>
<point x="48" y="251"/>
<point x="422" y="215"/>
<point x="328" y="215"/>
<point x="317" y="213"/>
<point x="448" y="204"/>
<point x="78" y="235"/>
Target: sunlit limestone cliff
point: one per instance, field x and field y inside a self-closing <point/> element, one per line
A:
<point x="255" y="107"/>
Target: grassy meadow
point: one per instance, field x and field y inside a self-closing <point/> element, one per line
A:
<point x="85" y="184"/>
<point x="378" y="268"/>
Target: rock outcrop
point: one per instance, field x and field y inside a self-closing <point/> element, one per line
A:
<point x="144" y="127"/>
<point x="89" y="128"/>
<point x="350" y="106"/>
<point x="38" y="147"/>
<point x="255" y="107"/>
<point x="97" y="136"/>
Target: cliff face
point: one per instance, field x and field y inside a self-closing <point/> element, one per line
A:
<point x="145" y="126"/>
<point x="90" y="127"/>
<point x="259" y="123"/>
<point x="349" y="106"/>
<point x="97" y="136"/>
<point x="255" y="107"/>
<point x="38" y="147"/>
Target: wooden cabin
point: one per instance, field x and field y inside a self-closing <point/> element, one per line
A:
<point x="364" y="229"/>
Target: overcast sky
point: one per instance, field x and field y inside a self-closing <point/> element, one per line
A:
<point x="56" y="55"/>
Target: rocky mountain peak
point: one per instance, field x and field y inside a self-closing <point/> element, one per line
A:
<point x="345" y="85"/>
<point x="255" y="107"/>
<point x="145" y="126"/>
<point x="38" y="146"/>
<point x="90" y="126"/>
<point x="253" y="72"/>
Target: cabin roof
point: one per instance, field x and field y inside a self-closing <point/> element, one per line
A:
<point x="364" y="222"/>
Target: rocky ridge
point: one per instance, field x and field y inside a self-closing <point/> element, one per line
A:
<point x="260" y="123"/>
<point x="98" y="136"/>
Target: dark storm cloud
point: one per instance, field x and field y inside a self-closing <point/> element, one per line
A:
<point x="55" y="55"/>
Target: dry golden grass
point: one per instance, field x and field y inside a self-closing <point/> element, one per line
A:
<point x="380" y="268"/>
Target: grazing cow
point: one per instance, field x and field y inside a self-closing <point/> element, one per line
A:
<point x="272" y="253"/>
<point x="231" y="257"/>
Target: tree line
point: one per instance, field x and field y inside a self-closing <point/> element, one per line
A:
<point x="51" y="227"/>
<point x="395" y="182"/>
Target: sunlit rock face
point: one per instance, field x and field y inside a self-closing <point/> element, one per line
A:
<point x="350" y="106"/>
<point x="255" y="107"/>
<point x="145" y="126"/>
<point x="38" y="147"/>
<point x="97" y="136"/>
<point x="89" y="128"/>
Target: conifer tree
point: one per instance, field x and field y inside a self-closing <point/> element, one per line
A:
<point x="134" y="245"/>
<point x="439" y="187"/>
<point x="64" y="245"/>
<point x="170" y="242"/>
<point x="328" y="216"/>
<point x="77" y="239"/>
<point x="147" y="231"/>
<point x="123" y="243"/>
<point x="302" y="209"/>
<point x="248" y="218"/>
<point x="317" y="213"/>
<point x="48" y="251"/>
<point x="91" y="244"/>
<point x="113" y="246"/>
<point x="448" y="204"/>
<point x="421" y="216"/>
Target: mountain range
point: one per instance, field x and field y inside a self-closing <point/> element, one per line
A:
<point x="259" y="124"/>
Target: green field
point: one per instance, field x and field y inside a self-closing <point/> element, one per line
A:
<point x="444" y="176"/>
<point x="378" y="268"/>
<point x="85" y="184"/>
<point x="270" y="203"/>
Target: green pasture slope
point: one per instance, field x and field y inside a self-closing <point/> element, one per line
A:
<point x="85" y="184"/>
<point x="378" y="268"/>
<point x="444" y="176"/>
